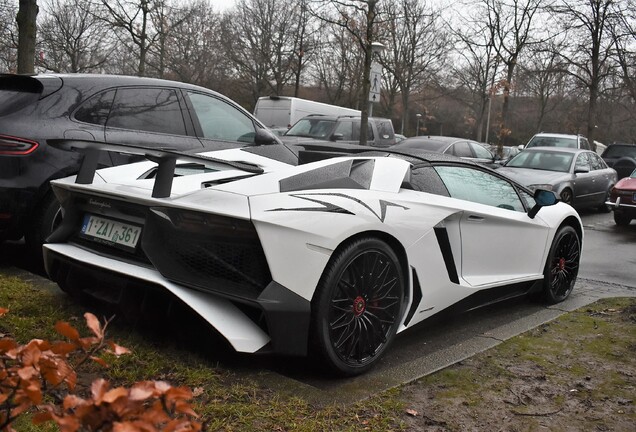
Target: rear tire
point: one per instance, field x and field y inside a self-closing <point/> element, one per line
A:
<point x="562" y="265"/>
<point x="357" y="307"/>
<point x="48" y="216"/>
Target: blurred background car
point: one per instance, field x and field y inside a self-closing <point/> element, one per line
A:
<point x="116" y="109"/>
<point x="544" y="139"/>
<point x="580" y="177"/>
<point x="460" y="147"/>
<point x="621" y="157"/>
<point x="508" y="153"/>
<point x="622" y="200"/>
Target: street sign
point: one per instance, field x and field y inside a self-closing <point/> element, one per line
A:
<point x="376" y="82"/>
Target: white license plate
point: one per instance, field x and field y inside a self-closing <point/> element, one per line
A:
<point x="111" y="231"/>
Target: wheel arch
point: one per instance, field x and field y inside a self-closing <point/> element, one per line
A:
<point x="394" y="244"/>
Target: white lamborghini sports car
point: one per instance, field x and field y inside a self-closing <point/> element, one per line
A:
<point x="332" y="257"/>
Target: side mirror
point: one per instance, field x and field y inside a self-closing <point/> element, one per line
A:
<point x="521" y="146"/>
<point x="265" y="137"/>
<point x="581" y="170"/>
<point x="543" y="198"/>
<point x="337" y="137"/>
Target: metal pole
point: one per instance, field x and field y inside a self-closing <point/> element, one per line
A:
<point x="488" y="118"/>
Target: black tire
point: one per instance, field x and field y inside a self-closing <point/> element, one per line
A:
<point x="566" y="196"/>
<point x="621" y="219"/>
<point x="46" y="218"/>
<point x="357" y="306"/>
<point x="562" y="265"/>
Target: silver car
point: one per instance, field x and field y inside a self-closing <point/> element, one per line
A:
<point x="580" y="177"/>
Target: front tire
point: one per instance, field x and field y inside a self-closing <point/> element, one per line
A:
<point x="562" y="265"/>
<point x="357" y="308"/>
<point x="566" y="196"/>
<point x="621" y="219"/>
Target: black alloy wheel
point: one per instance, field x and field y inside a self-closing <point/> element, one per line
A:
<point x="562" y="266"/>
<point x="358" y="306"/>
<point x="566" y="196"/>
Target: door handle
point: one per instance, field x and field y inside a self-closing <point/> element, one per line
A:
<point x="473" y="218"/>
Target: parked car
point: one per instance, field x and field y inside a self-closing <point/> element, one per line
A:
<point x="508" y="153"/>
<point x="284" y="111"/>
<point x="460" y="147"/>
<point x="140" y="111"/>
<point x="622" y="200"/>
<point x="580" y="177"/>
<point x="331" y="258"/>
<point x="621" y="157"/>
<point x="558" y="140"/>
<point x="340" y="129"/>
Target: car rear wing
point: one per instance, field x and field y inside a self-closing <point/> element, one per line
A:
<point x="166" y="160"/>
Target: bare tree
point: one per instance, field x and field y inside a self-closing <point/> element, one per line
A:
<point x="131" y="19"/>
<point x="624" y="36"/>
<point x="511" y="24"/>
<point x="72" y="39"/>
<point x="260" y="39"/>
<point x="476" y="71"/>
<point x="544" y="80"/>
<point x="418" y="47"/>
<point x="27" y="30"/>
<point x="586" y="24"/>
<point x="194" y="50"/>
<point x="8" y="39"/>
<point x="359" y="18"/>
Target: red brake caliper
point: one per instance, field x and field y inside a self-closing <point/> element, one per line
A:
<point x="359" y="305"/>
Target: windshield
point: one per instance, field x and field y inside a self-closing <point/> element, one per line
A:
<point x="542" y="160"/>
<point x="319" y="128"/>
<point x="548" y="141"/>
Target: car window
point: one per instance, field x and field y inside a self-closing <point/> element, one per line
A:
<point x="478" y="186"/>
<point x="543" y="160"/>
<point x="585" y="144"/>
<point x="147" y="109"/>
<point x="426" y="179"/>
<point x="547" y="141"/>
<point x="618" y="151"/>
<point x="460" y="149"/>
<point x="356" y="131"/>
<point x="220" y="120"/>
<point x="480" y="151"/>
<point x="582" y="162"/>
<point x="596" y="162"/>
<point x="385" y="130"/>
<point x="95" y="110"/>
<point x="346" y="129"/>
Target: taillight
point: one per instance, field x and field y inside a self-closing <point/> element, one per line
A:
<point x="16" y="146"/>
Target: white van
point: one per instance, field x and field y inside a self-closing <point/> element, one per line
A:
<point x="284" y="111"/>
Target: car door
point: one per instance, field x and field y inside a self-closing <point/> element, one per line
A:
<point x="584" y="181"/>
<point x="151" y="117"/>
<point x="499" y="241"/>
<point x="604" y="178"/>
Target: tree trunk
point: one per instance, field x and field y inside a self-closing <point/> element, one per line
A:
<point x="27" y="29"/>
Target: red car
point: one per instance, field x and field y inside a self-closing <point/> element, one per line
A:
<point x="623" y="200"/>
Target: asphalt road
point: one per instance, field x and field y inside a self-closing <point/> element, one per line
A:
<point x="608" y="269"/>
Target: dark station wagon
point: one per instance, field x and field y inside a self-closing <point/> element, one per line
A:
<point x="114" y="109"/>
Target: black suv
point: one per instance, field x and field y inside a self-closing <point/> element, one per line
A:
<point x="340" y="129"/>
<point x="621" y="157"/>
<point x="130" y="110"/>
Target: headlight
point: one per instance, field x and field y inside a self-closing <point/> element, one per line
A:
<point x="540" y="186"/>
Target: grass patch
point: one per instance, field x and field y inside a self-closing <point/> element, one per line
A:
<point x="570" y="374"/>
